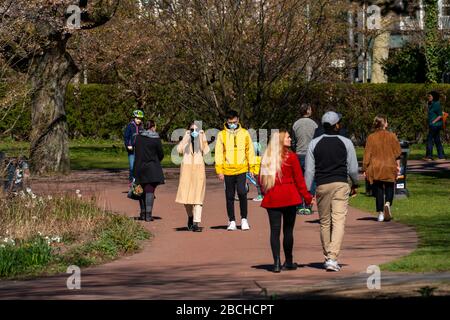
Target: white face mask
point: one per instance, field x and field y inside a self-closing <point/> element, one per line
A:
<point x="233" y="126"/>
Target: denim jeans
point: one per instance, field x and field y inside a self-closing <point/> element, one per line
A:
<point x="131" y="165"/>
<point x="434" y="137"/>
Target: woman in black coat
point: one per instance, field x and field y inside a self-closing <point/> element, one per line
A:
<point x="147" y="167"/>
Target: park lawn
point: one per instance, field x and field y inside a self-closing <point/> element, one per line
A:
<point x="428" y="211"/>
<point x="417" y="151"/>
<point x="110" y="154"/>
<point x="90" y="154"/>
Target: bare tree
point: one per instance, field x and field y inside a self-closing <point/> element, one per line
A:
<point x="236" y="54"/>
<point x="50" y="67"/>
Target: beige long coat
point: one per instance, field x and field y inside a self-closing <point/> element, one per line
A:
<point x="191" y="189"/>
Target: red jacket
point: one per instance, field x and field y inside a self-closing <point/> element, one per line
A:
<point x="289" y="188"/>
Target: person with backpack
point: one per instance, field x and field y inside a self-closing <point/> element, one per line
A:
<point x="148" y="171"/>
<point x="234" y="157"/>
<point x="284" y="188"/>
<point x="435" y="124"/>
<point x="131" y="132"/>
<point x="381" y="165"/>
<point x="192" y="185"/>
<point x="330" y="162"/>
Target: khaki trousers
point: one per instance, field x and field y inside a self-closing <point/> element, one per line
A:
<point x="194" y="210"/>
<point x="332" y="203"/>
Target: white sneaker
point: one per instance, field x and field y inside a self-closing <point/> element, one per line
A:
<point x="387" y="212"/>
<point x="332" y="265"/>
<point x="381" y="217"/>
<point x="244" y="225"/>
<point x="232" y="226"/>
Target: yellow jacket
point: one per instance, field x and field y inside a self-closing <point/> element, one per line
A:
<point x="234" y="153"/>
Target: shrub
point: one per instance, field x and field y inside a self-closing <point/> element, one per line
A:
<point x="28" y="256"/>
<point x="46" y="234"/>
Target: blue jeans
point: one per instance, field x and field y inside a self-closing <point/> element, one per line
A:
<point x="434" y="137"/>
<point x="131" y="165"/>
<point x="302" y="158"/>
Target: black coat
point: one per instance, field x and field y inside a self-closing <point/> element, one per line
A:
<point x="148" y="156"/>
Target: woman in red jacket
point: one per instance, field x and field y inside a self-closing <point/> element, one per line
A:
<point x="282" y="182"/>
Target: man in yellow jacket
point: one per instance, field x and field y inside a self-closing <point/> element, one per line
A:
<point x="234" y="157"/>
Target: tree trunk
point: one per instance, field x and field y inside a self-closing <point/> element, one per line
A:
<point x="51" y="72"/>
<point x="380" y="54"/>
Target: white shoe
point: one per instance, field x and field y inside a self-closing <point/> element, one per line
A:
<point x="244" y="225"/>
<point x="232" y="226"/>
<point x="387" y="212"/>
<point x="332" y="265"/>
<point x="381" y="217"/>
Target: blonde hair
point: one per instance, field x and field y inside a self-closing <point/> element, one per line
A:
<point x="272" y="160"/>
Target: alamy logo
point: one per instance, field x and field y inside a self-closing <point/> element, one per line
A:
<point x="374" y="281"/>
<point x="74" y="281"/>
<point x="74" y="20"/>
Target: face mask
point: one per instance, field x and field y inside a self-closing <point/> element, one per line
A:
<point x="233" y="126"/>
<point x="194" y="134"/>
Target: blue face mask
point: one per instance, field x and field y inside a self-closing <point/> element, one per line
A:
<point x="194" y="134"/>
<point x="233" y="126"/>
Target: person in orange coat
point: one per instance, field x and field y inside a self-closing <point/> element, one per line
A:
<point x="381" y="165"/>
<point x="284" y="188"/>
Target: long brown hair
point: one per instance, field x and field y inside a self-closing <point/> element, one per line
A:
<point x="272" y="159"/>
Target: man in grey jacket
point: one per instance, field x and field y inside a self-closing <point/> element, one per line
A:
<point x="330" y="162"/>
<point x="304" y="129"/>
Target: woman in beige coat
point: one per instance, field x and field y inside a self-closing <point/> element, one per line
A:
<point x="191" y="189"/>
<point x="381" y="165"/>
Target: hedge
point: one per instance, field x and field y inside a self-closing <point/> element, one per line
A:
<point x="403" y="104"/>
<point x="102" y="111"/>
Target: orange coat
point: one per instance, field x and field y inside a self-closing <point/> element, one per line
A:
<point x="380" y="155"/>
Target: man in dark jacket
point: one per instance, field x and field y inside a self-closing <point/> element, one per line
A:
<point x="131" y="132"/>
<point x="147" y="167"/>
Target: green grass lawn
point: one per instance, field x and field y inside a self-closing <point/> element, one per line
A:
<point x="417" y="152"/>
<point x="428" y="211"/>
<point x="90" y="154"/>
<point x="108" y="154"/>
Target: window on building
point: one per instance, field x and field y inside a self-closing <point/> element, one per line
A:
<point x="445" y="8"/>
<point x="444" y="14"/>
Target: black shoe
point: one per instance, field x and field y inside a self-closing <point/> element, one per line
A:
<point x="196" y="228"/>
<point x="190" y="223"/>
<point x="290" y="266"/>
<point x="148" y="217"/>
<point x="142" y="216"/>
<point x="277" y="266"/>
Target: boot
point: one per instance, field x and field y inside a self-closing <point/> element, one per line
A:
<point x="289" y="265"/>
<point x="277" y="265"/>
<point x="196" y="228"/>
<point x="142" y="206"/>
<point x="148" y="217"/>
<point x="149" y="198"/>
<point x="190" y="223"/>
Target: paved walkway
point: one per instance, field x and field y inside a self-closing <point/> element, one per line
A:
<point x="214" y="264"/>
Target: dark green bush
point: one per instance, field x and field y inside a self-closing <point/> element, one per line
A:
<point x="102" y="111"/>
<point x="403" y="104"/>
